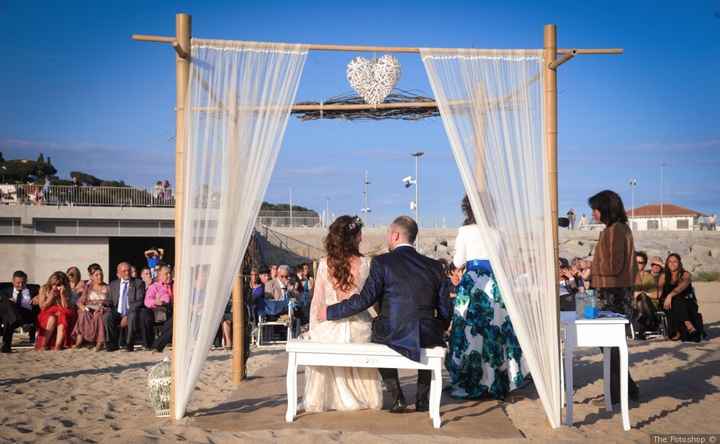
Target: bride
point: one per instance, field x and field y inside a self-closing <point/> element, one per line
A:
<point x="340" y="275"/>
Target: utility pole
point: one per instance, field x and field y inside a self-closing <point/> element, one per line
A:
<point x="662" y="192"/>
<point x="291" y="210"/>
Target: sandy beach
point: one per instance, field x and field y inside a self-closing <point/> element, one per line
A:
<point x="84" y="396"/>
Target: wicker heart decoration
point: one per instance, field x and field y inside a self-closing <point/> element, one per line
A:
<point x="373" y="80"/>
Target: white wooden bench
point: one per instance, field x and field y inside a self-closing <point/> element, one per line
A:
<point x="361" y="355"/>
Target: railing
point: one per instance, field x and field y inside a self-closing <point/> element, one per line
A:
<point x="85" y="196"/>
<point x="286" y="242"/>
<point x="275" y="218"/>
<point x="90" y="196"/>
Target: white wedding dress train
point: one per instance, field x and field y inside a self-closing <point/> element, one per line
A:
<point x="340" y="388"/>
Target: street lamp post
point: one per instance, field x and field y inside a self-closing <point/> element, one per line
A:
<point x="327" y="211"/>
<point x="417" y="155"/>
<point x="365" y="208"/>
<point x="633" y="184"/>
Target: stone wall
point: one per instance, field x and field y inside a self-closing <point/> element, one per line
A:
<point x="700" y="250"/>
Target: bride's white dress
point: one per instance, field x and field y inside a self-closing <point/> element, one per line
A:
<point x="340" y="388"/>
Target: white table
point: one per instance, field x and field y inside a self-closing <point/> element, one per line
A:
<point x="603" y="332"/>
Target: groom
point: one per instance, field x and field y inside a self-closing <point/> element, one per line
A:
<point x="415" y="307"/>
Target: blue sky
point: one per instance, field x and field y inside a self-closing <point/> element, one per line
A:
<point x="75" y="87"/>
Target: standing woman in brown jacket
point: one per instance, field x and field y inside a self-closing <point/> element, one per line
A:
<point x="613" y="273"/>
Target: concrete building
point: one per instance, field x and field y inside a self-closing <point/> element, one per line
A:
<point x="673" y="218"/>
<point x="41" y="239"/>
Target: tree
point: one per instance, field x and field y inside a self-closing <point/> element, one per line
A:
<point x="41" y="158"/>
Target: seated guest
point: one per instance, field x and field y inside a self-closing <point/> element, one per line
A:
<point x="90" y="326"/>
<point x="645" y="282"/>
<point x="569" y="285"/>
<point x="125" y="308"/>
<point x="281" y="288"/>
<point x="584" y="268"/>
<point x="657" y="266"/>
<point x="676" y="294"/>
<point x="225" y="331"/>
<point x="16" y="309"/>
<point x="146" y="276"/>
<point x="645" y="285"/>
<point x="455" y="275"/>
<point x="304" y="277"/>
<point x="57" y="315"/>
<point x="77" y="285"/>
<point x="91" y="269"/>
<point x="199" y="293"/>
<point x="159" y="295"/>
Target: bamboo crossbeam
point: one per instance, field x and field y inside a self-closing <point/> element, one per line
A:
<point x="361" y="106"/>
<point x="397" y="49"/>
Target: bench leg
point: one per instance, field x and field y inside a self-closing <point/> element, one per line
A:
<point x="291" y="388"/>
<point x="436" y="394"/>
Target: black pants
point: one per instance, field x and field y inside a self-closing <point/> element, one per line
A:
<point x="618" y="300"/>
<point x="682" y="309"/>
<point x="392" y="381"/>
<point x="13" y="316"/>
<point x="165" y="337"/>
<point x="140" y="320"/>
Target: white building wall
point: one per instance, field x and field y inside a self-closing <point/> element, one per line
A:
<point x="40" y="256"/>
<point x="668" y="223"/>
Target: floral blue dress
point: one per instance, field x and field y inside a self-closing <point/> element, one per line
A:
<point x="484" y="356"/>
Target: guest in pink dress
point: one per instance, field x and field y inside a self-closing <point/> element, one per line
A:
<point x="90" y="326"/>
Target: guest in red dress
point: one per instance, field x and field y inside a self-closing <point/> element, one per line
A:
<point x="57" y="314"/>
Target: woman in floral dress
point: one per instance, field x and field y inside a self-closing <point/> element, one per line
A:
<point x="484" y="357"/>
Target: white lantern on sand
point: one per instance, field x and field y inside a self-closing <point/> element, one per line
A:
<point x="159" y="381"/>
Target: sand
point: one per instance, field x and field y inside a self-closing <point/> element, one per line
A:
<point x="84" y="396"/>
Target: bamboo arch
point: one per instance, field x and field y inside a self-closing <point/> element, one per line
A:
<point x="181" y="42"/>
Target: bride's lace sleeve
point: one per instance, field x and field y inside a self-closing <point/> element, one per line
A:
<point x="318" y="299"/>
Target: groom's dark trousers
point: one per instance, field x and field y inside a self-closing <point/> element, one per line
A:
<point x="415" y="307"/>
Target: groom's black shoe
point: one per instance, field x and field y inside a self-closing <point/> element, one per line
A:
<point x="422" y="402"/>
<point x="399" y="406"/>
<point x="422" y="405"/>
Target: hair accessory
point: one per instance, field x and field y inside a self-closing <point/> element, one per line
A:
<point x="356" y="224"/>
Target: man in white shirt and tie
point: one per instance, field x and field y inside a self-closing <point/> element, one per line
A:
<point x="125" y="307"/>
<point x="16" y="309"/>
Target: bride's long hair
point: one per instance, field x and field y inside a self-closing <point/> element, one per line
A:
<point x="342" y="243"/>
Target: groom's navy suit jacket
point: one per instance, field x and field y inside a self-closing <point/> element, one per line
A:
<point x="414" y="300"/>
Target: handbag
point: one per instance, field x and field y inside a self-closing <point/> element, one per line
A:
<point x="161" y="314"/>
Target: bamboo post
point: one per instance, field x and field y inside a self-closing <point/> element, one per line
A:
<point x="238" y="332"/>
<point x="183" y="31"/>
<point x="550" y="102"/>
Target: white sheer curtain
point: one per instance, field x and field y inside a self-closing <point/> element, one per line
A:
<point x="239" y="100"/>
<point x="492" y="109"/>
